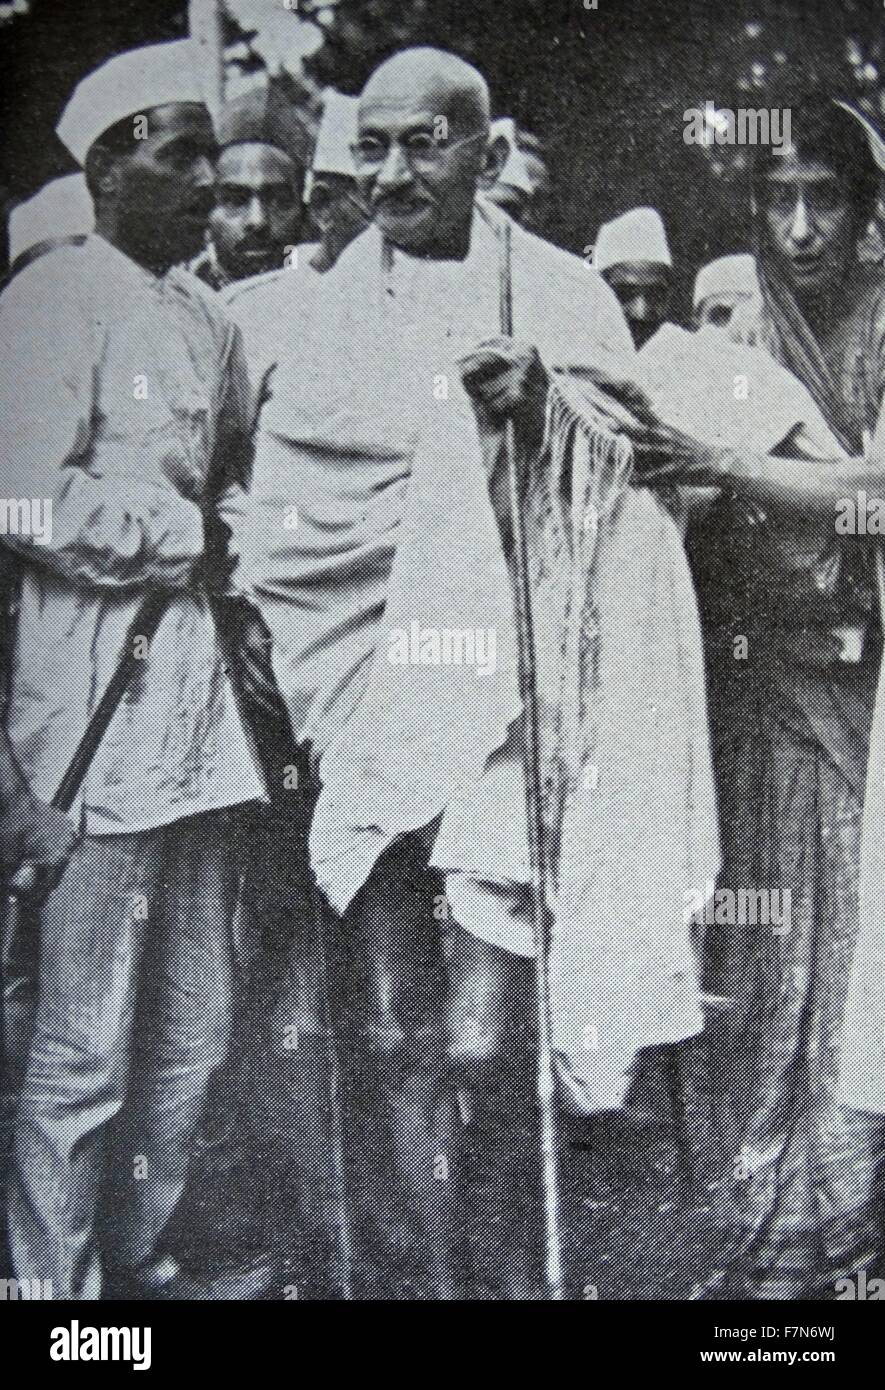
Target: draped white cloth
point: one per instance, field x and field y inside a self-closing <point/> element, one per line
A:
<point x="369" y="367"/>
<point x="370" y="435"/>
<point x="631" y="805"/>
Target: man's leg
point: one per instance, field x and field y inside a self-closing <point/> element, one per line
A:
<point x="291" y="1108"/>
<point x="181" y="1035"/>
<point x="92" y="929"/>
<point x="404" y="1146"/>
<point x="491" y="1055"/>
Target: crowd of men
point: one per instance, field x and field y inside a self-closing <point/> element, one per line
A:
<point x="286" y="844"/>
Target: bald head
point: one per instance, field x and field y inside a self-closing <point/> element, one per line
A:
<point x="422" y="149"/>
<point x="433" y="78"/>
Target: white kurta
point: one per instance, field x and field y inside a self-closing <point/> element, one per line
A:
<point x="368" y="366"/>
<point x="114" y="385"/>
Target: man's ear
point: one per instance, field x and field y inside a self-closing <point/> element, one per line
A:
<point x="494" y="160"/>
<point x="102" y="172"/>
<point x="321" y="213"/>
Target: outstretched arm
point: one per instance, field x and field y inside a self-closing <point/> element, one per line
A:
<point x="793" y="483"/>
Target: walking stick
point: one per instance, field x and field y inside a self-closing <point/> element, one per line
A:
<point x="343" y="1233"/>
<point x="538" y="868"/>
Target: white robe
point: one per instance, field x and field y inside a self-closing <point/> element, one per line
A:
<point x="424" y="740"/>
<point x="369" y="365"/>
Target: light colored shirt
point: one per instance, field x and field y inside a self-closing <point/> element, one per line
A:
<point x="370" y="361"/>
<point x="115" y="386"/>
<point x="268" y="310"/>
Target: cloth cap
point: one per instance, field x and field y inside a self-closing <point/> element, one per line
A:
<point x="61" y="208"/>
<point x="266" y="116"/>
<point x="515" y="172"/>
<point x="637" y="235"/>
<point x="727" y="275"/>
<point x="337" y="133"/>
<point x="130" y="83"/>
<point x="874" y="139"/>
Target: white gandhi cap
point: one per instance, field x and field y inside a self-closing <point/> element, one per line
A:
<point x="127" y="85"/>
<point x="637" y="235"/>
<point x="61" y="208"/>
<point x="727" y="275"/>
<point x="515" y="172"/>
<point x="336" y="135"/>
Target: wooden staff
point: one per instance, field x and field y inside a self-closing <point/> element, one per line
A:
<point x="538" y="867"/>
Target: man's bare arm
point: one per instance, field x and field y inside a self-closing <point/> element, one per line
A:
<point x="784" y="484"/>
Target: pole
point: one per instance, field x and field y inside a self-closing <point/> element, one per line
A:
<point x="343" y="1233"/>
<point x="538" y="869"/>
<point x="206" y="28"/>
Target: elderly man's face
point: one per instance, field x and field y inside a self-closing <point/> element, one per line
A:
<point x="809" y="224"/>
<point x="418" y="170"/>
<point x="643" y="288"/>
<point x="164" y="186"/>
<point x="258" y="209"/>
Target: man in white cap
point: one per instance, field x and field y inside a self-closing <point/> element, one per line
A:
<point x="523" y="185"/>
<point x="633" y="255"/>
<point x="331" y="188"/>
<point x="59" y="213"/>
<point x="122" y="390"/>
<point x="721" y="286"/>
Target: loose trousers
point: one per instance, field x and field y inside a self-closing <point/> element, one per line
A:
<point x="133" y="1016"/>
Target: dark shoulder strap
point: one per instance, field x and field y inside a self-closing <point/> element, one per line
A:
<point x="36" y="253"/>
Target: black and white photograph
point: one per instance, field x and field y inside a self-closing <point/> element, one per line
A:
<point x="442" y="702"/>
